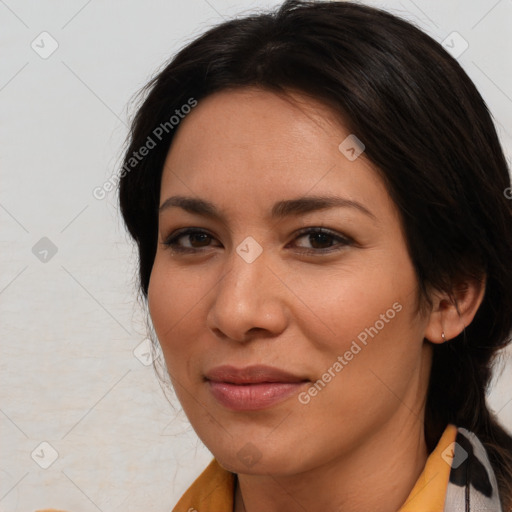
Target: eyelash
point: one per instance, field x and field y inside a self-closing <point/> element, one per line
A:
<point x="171" y="241"/>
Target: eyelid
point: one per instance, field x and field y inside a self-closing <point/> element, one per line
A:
<point x="175" y="235"/>
<point x="324" y="231"/>
<point x="341" y="240"/>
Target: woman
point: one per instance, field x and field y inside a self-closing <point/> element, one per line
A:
<point x="318" y="198"/>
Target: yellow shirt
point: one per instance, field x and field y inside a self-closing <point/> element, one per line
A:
<point x="213" y="490"/>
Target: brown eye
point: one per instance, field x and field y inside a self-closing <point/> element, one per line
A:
<point x="321" y="240"/>
<point x="201" y="239"/>
<point x="188" y="240"/>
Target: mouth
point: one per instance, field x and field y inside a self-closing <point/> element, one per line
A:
<point x="253" y="387"/>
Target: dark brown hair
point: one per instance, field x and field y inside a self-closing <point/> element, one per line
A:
<point x="427" y="130"/>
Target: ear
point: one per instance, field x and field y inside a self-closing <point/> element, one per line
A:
<point x="452" y="312"/>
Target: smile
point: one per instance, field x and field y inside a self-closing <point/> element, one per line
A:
<point x="252" y="388"/>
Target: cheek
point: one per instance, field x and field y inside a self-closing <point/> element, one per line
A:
<point x="356" y="300"/>
<point x="374" y="328"/>
<point x="174" y="301"/>
<point x="365" y="314"/>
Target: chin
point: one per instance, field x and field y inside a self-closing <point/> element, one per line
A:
<point x="258" y="459"/>
<point x="249" y="465"/>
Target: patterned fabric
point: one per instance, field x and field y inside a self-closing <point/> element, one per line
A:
<point x="472" y="486"/>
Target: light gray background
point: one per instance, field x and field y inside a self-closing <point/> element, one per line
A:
<point x="70" y="324"/>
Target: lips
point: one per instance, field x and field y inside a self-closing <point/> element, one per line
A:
<point x="251" y="375"/>
<point x="253" y="387"/>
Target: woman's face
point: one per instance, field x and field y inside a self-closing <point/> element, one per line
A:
<point x="288" y="317"/>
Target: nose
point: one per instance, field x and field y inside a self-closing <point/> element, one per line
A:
<point x="249" y="302"/>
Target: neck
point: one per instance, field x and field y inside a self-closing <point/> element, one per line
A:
<point x="378" y="475"/>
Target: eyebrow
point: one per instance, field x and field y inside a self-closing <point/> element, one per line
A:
<point x="281" y="209"/>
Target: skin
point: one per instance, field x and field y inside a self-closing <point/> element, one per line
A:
<point x="244" y="150"/>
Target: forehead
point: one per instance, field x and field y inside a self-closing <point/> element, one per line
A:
<point x="254" y="142"/>
<point x="246" y="120"/>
